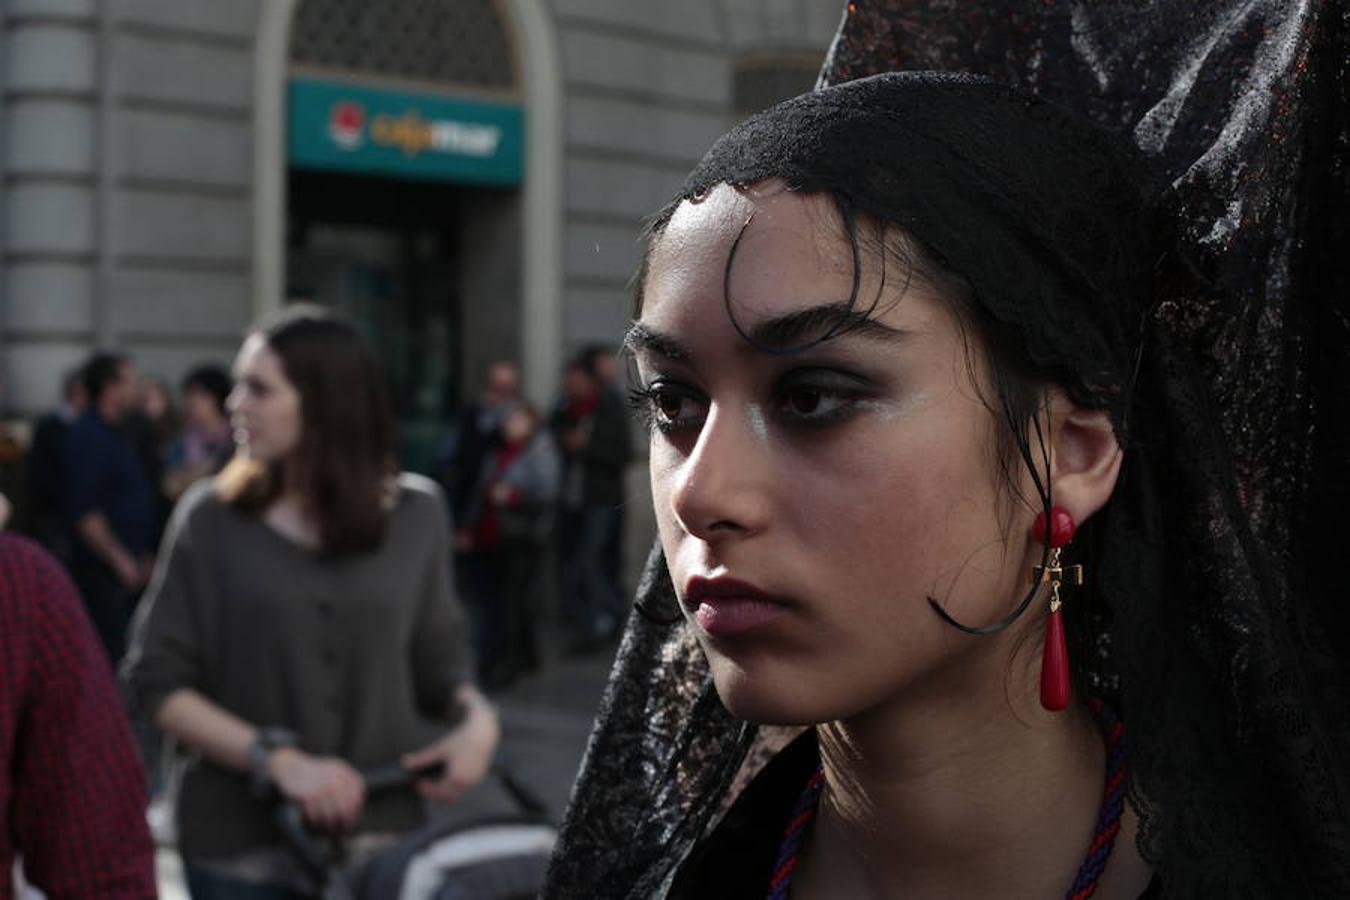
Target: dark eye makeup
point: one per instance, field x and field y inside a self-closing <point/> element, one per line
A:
<point x="806" y="397"/>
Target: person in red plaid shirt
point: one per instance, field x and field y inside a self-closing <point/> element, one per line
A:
<point x="72" y="793"/>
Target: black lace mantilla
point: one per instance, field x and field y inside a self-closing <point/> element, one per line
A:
<point x="1233" y="653"/>
<point x="1224" y="618"/>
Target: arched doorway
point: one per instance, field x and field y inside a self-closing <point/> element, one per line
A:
<point x="425" y="235"/>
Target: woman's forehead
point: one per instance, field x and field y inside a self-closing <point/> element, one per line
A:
<point x="761" y="247"/>
<point x="753" y="213"/>
<point x="258" y="358"/>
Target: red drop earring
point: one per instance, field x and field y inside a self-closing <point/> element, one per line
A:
<point x="1055" y="655"/>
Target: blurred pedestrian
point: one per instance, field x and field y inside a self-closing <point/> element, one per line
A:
<point x="592" y="429"/>
<point x="206" y="442"/>
<point x="602" y="363"/>
<point x="478" y="434"/>
<point x="302" y="623"/>
<point x="509" y="521"/>
<point x="47" y="470"/>
<point x="152" y="426"/>
<point x="72" y="799"/>
<point x="110" y="505"/>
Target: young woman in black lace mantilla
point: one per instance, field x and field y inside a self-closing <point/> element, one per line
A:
<point x="884" y="328"/>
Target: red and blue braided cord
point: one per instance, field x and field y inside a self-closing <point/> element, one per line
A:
<point x="802" y="816"/>
<point x="1113" y="803"/>
<point x="1099" y="851"/>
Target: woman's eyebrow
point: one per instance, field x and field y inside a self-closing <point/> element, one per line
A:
<point x="818" y="323"/>
<point x="645" y="339"/>
<point x="797" y="328"/>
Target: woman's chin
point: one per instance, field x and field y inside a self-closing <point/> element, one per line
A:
<point x="257" y="453"/>
<point x="764" y="698"/>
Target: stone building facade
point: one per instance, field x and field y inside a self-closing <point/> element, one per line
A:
<point x="154" y="197"/>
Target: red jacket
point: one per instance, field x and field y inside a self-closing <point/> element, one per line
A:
<point x="72" y="793"/>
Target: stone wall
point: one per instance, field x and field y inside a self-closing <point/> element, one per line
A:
<point x="127" y="132"/>
<point x="648" y="88"/>
<point x="127" y="168"/>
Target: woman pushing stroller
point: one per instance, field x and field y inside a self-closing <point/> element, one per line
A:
<point x="301" y="623"/>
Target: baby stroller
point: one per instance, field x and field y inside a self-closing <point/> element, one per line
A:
<point x="492" y="858"/>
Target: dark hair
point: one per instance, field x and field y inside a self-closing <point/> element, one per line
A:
<point x="345" y="456"/>
<point x="102" y="370"/>
<point x="212" y="379"/>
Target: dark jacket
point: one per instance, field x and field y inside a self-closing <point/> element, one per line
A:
<point x="594" y="474"/>
<point x="105" y="475"/>
<point x="47" y="483"/>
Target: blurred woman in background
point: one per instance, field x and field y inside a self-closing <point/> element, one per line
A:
<point x="301" y="624"/>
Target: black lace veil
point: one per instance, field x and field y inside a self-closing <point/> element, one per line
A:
<point x="1216" y="333"/>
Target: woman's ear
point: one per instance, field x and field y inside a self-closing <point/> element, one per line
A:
<point x="1084" y="457"/>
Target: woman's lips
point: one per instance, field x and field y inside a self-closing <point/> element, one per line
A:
<point x="724" y="607"/>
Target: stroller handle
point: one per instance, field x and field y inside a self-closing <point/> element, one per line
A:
<point x="393" y="775"/>
<point x="319" y="853"/>
<point x="313" y="852"/>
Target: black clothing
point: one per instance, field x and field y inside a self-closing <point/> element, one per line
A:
<point x="607" y="452"/>
<point x="151" y="446"/>
<point x="104" y="474"/>
<point x="594" y="474"/>
<point x="478" y="435"/>
<point x="47" y="477"/>
<point x="590" y="541"/>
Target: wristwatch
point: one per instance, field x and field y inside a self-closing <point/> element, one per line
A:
<point x="268" y="739"/>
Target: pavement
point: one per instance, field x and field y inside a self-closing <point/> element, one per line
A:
<point x="546" y="719"/>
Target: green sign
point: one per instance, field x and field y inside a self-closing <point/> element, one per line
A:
<point x="351" y="128"/>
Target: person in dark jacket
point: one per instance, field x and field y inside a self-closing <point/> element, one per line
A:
<point x="478" y="435"/>
<point x="110" y="504"/>
<point x="602" y="363"/>
<point x="46" y="468"/>
<point x="591" y="425"/>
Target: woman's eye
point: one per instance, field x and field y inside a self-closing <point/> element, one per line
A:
<point x="805" y="401"/>
<point x="816" y="404"/>
<point x="668" y="407"/>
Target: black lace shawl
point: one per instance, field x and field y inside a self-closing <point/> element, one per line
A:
<point x="1221" y="619"/>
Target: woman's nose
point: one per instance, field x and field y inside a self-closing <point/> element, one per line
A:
<point x="235" y="400"/>
<point x="723" y="489"/>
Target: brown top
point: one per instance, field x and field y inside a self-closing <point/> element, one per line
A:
<point x="358" y="655"/>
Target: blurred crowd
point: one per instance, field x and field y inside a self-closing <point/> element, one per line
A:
<point x="525" y="489"/>
<point x="536" y="497"/>
<point x="103" y="469"/>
